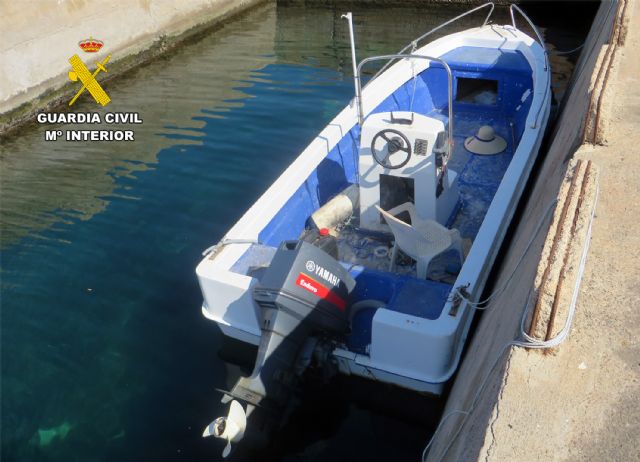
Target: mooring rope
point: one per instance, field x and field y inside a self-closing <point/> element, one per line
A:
<point x="556" y="52"/>
<point x="528" y="342"/>
<point x="225" y="242"/>
<point x="458" y="291"/>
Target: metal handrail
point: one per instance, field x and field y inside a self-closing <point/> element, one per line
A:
<point x="414" y="43"/>
<point x="544" y="49"/>
<point x="535" y="29"/>
<point x="403" y="56"/>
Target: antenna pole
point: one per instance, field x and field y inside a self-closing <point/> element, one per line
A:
<point x="356" y="78"/>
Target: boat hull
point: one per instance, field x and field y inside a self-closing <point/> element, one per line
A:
<point x="413" y="351"/>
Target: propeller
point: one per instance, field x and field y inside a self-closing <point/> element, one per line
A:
<point x="230" y="428"/>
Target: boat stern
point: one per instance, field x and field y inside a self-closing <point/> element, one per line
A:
<point x="227" y="297"/>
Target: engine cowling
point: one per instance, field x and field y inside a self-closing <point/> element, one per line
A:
<point x="304" y="292"/>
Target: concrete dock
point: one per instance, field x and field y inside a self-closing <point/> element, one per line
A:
<point x="581" y="400"/>
<point x="33" y="75"/>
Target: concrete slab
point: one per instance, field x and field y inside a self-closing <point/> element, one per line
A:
<point x="39" y="37"/>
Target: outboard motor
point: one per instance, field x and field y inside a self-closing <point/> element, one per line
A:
<point x="303" y="293"/>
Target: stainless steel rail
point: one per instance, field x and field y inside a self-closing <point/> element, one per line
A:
<point x="405" y="56"/>
<point x="547" y="88"/>
<point x="515" y="7"/>
<point x="414" y="44"/>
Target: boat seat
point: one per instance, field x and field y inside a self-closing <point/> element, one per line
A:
<point x="422" y="240"/>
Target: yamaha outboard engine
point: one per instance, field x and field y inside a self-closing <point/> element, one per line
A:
<point x="303" y="293"/>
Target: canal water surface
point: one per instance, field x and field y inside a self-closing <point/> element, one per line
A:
<point x="105" y="353"/>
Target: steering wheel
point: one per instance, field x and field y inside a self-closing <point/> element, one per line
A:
<point x="396" y="143"/>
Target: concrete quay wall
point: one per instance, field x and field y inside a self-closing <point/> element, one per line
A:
<point x="39" y="37"/>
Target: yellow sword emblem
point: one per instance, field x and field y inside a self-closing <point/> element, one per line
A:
<point x="88" y="80"/>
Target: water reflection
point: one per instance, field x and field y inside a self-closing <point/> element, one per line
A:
<point x="44" y="182"/>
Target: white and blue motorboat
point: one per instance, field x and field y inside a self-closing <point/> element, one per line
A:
<point x="369" y="252"/>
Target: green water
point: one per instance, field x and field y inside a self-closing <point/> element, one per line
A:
<point x="105" y="354"/>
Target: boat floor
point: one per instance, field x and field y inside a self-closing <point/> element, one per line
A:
<point x="478" y="180"/>
<point x="479" y="175"/>
<point x="367" y="254"/>
<point x="359" y="247"/>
